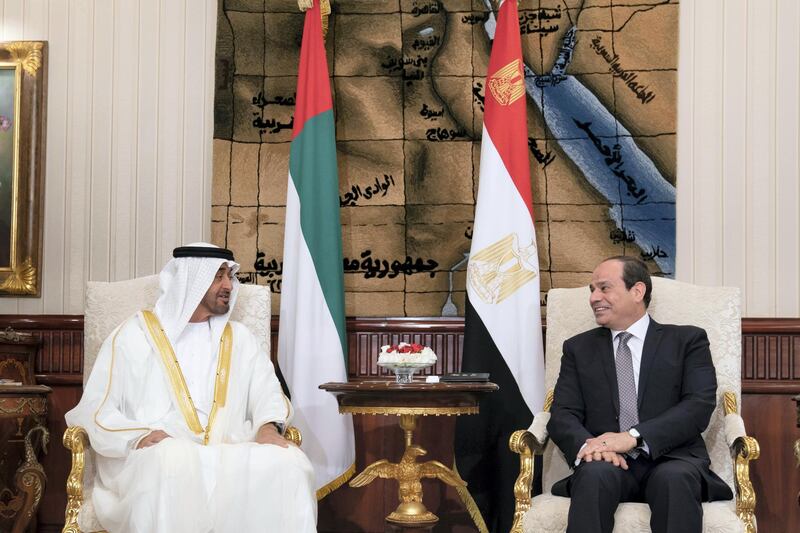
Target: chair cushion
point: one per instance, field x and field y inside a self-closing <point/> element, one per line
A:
<point x="107" y="305"/>
<point x="548" y="514"/>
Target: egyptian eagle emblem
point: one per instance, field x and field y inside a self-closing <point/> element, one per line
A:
<point x="507" y="84"/>
<point x="497" y="271"/>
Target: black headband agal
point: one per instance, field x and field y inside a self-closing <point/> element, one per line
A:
<point x="203" y="251"/>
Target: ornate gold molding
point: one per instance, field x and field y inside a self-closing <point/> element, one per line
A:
<point x="22" y="280"/>
<point x="77" y="441"/>
<point x="729" y="400"/>
<point x="399" y="411"/>
<point x="11" y="335"/>
<point x="522" y="442"/>
<point x="746" y="449"/>
<point x="17" y="365"/>
<point x="31" y="479"/>
<point x="23" y="406"/>
<point x="548" y="401"/>
<point x="27" y="54"/>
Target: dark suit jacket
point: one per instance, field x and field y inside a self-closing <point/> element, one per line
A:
<point x="677" y="394"/>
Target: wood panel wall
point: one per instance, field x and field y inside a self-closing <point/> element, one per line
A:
<point x="770" y="377"/>
<point x="738" y="178"/>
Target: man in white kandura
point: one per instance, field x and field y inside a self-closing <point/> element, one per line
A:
<point x="185" y="414"/>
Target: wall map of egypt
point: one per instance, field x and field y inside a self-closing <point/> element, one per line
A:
<point x="408" y="86"/>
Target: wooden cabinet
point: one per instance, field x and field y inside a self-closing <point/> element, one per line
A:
<point x="23" y="433"/>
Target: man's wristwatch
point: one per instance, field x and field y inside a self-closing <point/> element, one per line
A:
<point x="633" y="432"/>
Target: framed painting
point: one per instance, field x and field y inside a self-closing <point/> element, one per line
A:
<point x="23" y="90"/>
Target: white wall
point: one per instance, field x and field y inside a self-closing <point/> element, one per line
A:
<point x="738" y="143"/>
<point x="129" y="128"/>
<point x="130" y="124"/>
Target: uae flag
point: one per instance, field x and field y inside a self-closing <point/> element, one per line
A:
<point x="312" y="346"/>
<point x="503" y="328"/>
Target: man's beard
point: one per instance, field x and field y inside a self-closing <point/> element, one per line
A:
<point x="221" y="309"/>
<point x="215" y="306"/>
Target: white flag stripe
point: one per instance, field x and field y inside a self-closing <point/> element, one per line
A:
<point x="310" y="353"/>
<point x="514" y="323"/>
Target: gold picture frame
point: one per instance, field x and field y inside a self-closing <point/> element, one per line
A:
<point x="23" y="92"/>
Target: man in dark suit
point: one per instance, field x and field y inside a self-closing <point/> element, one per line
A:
<point x="631" y="400"/>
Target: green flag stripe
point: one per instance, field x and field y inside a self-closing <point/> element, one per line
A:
<point x="312" y="167"/>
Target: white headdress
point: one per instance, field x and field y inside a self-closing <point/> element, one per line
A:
<point x="185" y="280"/>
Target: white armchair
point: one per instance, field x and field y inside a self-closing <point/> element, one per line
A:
<point x="715" y="309"/>
<point x="107" y="306"/>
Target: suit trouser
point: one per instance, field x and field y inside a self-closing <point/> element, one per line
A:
<point x="673" y="489"/>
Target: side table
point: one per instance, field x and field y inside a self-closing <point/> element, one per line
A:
<point x="23" y="431"/>
<point x="23" y="409"/>
<point x="409" y="401"/>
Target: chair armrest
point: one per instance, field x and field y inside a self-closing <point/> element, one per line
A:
<point x="292" y="434"/>
<point x="539" y="428"/>
<point x="528" y="443"/>
<point x="744" y="449"/>
<point x="77" y="441"/>
<point x="733" y="425"/>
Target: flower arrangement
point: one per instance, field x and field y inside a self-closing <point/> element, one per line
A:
<point x="406" y="353"/>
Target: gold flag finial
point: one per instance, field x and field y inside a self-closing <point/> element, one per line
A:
<point x="324" y="10"/>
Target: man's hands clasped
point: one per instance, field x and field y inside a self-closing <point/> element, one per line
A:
<point x="608" y="447"/>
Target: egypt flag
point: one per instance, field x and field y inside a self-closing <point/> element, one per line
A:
<point x="503" y="328"/>
<point x="312" y="346"/>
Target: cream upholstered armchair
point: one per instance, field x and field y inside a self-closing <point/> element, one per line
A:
<point x="715" y="309"/>
<point x="107" y="306"/>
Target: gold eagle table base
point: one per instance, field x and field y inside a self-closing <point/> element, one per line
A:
<point x="408" y="402"/>
<point x="409" y="473"/>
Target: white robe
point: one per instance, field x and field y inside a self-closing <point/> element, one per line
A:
<point x="180" y="485"/>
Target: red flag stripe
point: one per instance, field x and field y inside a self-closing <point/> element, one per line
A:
<point x="507" y="124"/>
<point x="313" y="72"/>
